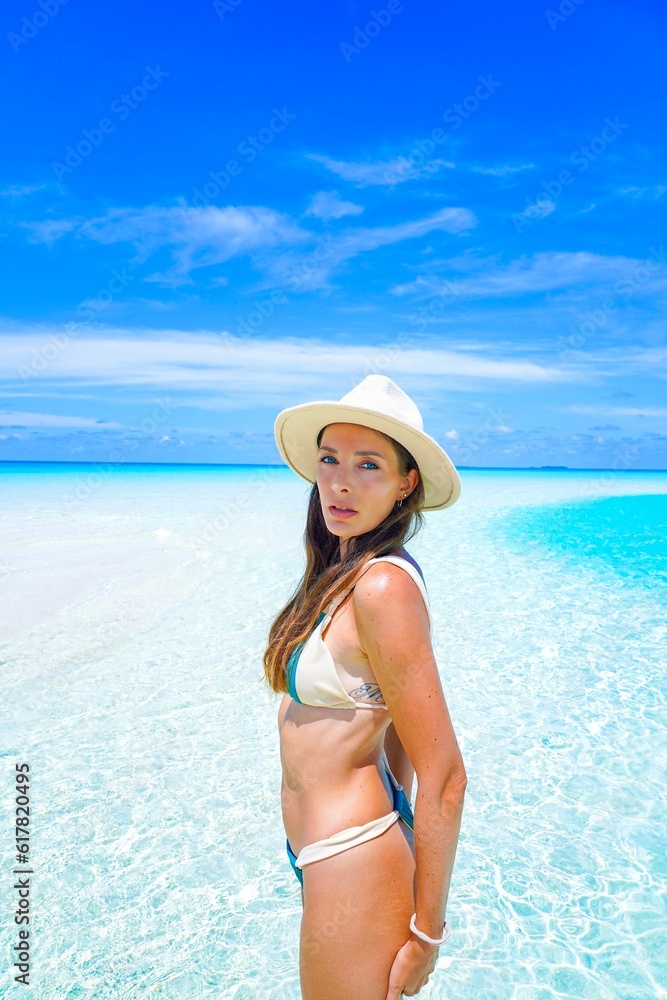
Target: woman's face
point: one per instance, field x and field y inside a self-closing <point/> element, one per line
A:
<point x="357" y="468"/>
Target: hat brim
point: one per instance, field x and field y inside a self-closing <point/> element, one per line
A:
<point x="296" y="429"/>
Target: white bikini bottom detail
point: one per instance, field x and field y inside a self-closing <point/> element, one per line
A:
<point x="344" y="839"/>
<point x="354" y="835"/>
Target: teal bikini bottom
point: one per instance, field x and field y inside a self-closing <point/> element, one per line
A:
<point x="401" y="804"/>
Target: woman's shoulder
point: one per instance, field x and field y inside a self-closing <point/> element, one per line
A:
<point x="388" y="577"/>
<point x="391" y="595"/>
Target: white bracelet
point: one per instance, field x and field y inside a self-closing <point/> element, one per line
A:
<point x="425" y="937"/>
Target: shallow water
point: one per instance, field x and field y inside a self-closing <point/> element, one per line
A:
<point x="134" y="613"/>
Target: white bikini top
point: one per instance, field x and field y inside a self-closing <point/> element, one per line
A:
<point x="311" y="670"/>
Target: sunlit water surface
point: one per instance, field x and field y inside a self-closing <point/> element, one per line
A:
<point x="135" y="607"/>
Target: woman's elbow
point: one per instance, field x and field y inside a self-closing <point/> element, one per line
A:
<point x="449" y="781"/>
<point x="457" y="776"/>
<point x="456" y="783"/>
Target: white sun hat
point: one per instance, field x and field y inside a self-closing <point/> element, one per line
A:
<point x="379" y="403"/>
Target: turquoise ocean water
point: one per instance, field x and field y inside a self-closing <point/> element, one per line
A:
<point x="135" y="606"/>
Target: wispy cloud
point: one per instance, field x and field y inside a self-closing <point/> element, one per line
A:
<point x="314" y="268"/>
<point x="51" y="230"/>
<point x="328" y="205"/>
<point x="198" y="237"/>
<point x="154" y="303"/>
<point x="381" y="172"/>
<point x="201" y="237"/>
<point x="618" y="411"/>
<point x="233" y="372"/>
<point x="19" y="418"/>
<point x="21" y="190"/>
<point x="504" y="170"/>
<point x="540" y="210"/>
<point x="652" y="191"/>
<point x="542" y="272"/>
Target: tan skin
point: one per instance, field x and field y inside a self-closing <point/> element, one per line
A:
<point x="356" y="943"/>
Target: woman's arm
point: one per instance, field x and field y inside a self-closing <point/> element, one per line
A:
<point x="393" y="627"/>
<point x="399" y="762"/>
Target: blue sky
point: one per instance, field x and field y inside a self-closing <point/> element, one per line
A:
<point x="213" y="211"/>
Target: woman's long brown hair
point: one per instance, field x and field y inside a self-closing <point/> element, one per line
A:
<point x="327" y="575"/>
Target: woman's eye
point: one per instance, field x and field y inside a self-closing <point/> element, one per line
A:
<point x="367" y="462"/>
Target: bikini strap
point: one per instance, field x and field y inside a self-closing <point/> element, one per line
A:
<point x="333" y="604"/>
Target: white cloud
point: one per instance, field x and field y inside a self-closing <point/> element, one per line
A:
<point x="381" y="172"/>
<point x="51" y="229"/>
<point x="540" y="209"/>
<point x="619" y="411"/>
<point x="216" y="372"/>
<point x="328" y="205"/>
<point x="21" y="190"/>
<point x="149" y="303"/>
<point x="507" y="168"/>
<point x="542" y="272"/>
<point x="199" y="237"/>
<point x="655" y="190"/>
<point x="312" y="269"/>
<point x="18" y="418"/>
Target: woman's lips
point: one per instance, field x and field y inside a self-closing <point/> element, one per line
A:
<point x="338" y="512"/>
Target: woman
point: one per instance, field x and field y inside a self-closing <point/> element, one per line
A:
<point x="363" y="709"/>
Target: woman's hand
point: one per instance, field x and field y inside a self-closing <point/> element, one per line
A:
<point x="411" y="968"/>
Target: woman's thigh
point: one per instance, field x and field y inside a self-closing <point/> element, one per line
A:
<point x="357" y="908"/>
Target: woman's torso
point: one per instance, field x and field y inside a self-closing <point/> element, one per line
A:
<point x="331" y="757"/>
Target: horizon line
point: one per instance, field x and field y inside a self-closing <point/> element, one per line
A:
<point x="273" y="465"/>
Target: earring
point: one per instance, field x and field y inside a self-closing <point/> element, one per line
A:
<point x="400" y="502"/>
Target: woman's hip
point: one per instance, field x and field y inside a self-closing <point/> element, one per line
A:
<point x="356" y="916"/>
